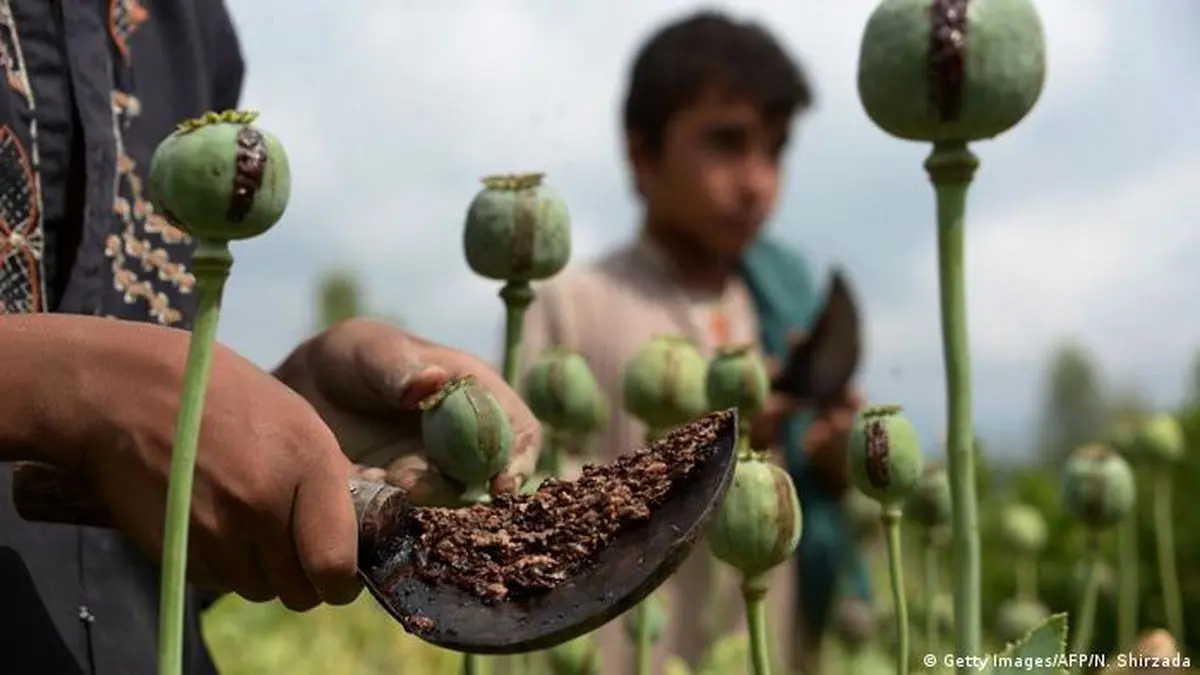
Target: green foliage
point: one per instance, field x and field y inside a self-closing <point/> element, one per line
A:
<point x="1193" y="381"/>
<point x="1039" y="487"/>
<point x="359" y="639"/>
<point x="339" y="298"/>
<point x="730" y="654"/>
<point x="1036" y="652"/>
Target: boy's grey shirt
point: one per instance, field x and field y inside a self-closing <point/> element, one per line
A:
<point x="607" y="310"/>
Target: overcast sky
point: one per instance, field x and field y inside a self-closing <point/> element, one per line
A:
<point x="1085" y="220"/>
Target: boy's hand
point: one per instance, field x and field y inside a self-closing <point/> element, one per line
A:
<point x="366" y="378"/>
<point x="827" y="438"/>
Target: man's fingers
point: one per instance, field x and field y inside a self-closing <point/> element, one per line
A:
<point x="213" y="562"/>
<point x="325" y="531"/>
<point x="201" y="576"/>
<point x="401" y="370"/>
<point x="277" y="556"/>
<point x="425" y="485"/>
<point x="507" y="483"/>
<point x="372" y="473"/>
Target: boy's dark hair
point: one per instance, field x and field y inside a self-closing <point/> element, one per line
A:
<point x="683" y="59"/>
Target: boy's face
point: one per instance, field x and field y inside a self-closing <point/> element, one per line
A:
<point x="717" y="176"/>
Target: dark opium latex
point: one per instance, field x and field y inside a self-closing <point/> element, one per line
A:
<point x="219" y="178"/>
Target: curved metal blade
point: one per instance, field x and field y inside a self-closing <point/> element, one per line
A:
<point x="624" y="573"/>
<point x="822" y="365"/>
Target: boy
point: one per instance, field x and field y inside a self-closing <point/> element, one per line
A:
<point x="707" y="115"/>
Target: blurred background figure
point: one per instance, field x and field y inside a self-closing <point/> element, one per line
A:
<point x="708" y="116"/>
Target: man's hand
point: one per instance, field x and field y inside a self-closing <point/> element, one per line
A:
<point x="271" y="513"/>
<point x="366" y="378"/>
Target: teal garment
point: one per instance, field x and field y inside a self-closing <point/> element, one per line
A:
<point x="786" y="299"/>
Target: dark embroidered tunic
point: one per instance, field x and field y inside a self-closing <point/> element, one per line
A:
<point x="92" y="87"/>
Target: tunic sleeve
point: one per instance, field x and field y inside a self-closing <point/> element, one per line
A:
<point x="227" y="67"/>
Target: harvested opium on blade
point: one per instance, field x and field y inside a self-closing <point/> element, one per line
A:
<point x="524" y="545"/>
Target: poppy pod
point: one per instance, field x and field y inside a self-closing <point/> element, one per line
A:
<point x="951" y="70"/>
<point x="466" y="434"/>
<point x="517" y="229"/>
<point x="1160" y="440"/>
<point x="737" y="378"/>
<point x="655" y="615"/>
<point x="663" y="383"/>
<point x="1018" y="616"/>
<point x="580" y="656"/>
<point x="1098" y="486"/>
<point x="929" y="503"/>
<point x="219" y="178"/>
<point x="1023" y="529"/>
<point x="562" y="392"/>
<point x="759" y="522"/>
<point x="885" y="454"/>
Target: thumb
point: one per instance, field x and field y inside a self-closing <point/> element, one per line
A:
<point x="395" y="369"/>
<point x="368" y="367"/>
<point x="409" y="392"/>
